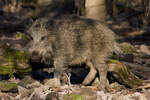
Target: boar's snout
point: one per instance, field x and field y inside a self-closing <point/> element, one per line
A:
<point x="35" y="57"/>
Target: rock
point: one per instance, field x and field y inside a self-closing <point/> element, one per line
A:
<point x="7" y="69"/>
<point x="8" y="87"/>
<point x="126" y="48"/>
<point x="52" y="96"/>
<point x="101" y="95"/>
<point x="121" y="97"/>
<point x="27" y="80"/>
<point x="53" y="83"/>
<point x="116" y="86"/>
<point x="35" y="84"/>
<point x="141" y="97"/>
<point x="36" y="97"/>
<point x="13" y="61"/>
<point x="144" y="49"/>
<point x="23" y="91"/>
<point x="122" y="74"/>
<point x="40" y="93"/>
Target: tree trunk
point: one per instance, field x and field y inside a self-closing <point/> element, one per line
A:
<point x="95" y="9"/>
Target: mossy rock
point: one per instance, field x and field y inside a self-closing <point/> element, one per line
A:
<point x="73" y="97"/>
<point x="14" y="56"/>
<point x="127" y="48"/>
<point x="52" y="96"/>
<point x="6" y="65"/>
<point x="9" y="54"/>
<point x="123" y="75"/>
<point x="7" y="70"/>
<point x="15" y="62"/>
<point x="21" y="63"/>
<point x="8" y="87"/>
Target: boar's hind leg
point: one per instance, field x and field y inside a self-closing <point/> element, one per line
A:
<point x="91" y="75"/>
<point x="101" y="67"/>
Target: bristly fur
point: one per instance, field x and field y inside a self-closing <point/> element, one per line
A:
<point x="68" y="40"/>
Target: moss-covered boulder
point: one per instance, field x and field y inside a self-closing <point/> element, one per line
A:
<point x="8" y="87"/>
<point x="13" y="61"/>
<point x="21" y="62"/>
<point x="6" y="70"/>
<point x="24" y="82"/>
<point x="123" y="75"/>
<point x="127" y="48"/>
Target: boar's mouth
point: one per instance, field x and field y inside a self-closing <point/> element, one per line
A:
<point x="46" y="61"/>
<point x="35" y="58"/>
<point x="39" y="58"/>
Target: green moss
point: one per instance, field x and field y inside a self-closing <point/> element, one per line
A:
<point x="6" y="70"/>
<point x="9" y="55"/>
<point x="123" y="74"/>
<point x="129" y="78"/>
<point x="22" y="65"/>
<point x="73" y="97"/>
<point x="23" y="71"/>
<point x="22" y="36"/>
<point x="16" y="62"/>
<point x="111" y="61"/>
<point x="13" y="56"/>
<point x="21" y="57"/>
<point x="8" y="87"/>
<point x="127" y="48"/>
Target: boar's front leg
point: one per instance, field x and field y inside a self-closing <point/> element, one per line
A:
<point x="59" y="72"/>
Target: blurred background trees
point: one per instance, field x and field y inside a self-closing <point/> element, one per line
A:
<point x="136" y="12"/>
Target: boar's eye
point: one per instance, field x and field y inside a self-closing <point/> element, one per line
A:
<point x="42" y="38"/>
<point x="31" y="38"/>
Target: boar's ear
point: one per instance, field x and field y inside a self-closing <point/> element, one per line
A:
<point x="50" y="24"/>
<point x="29" y="34"/>
<point x="27" y="23"/>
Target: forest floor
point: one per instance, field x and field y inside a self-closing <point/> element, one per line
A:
<point x="29" y="86"/>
